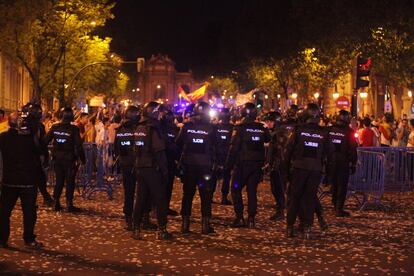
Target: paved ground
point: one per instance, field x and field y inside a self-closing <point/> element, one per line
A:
<point x="94" y="243"/>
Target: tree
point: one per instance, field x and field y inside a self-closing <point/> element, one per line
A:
<point x="223" y="86"/>
<point x="40" y="34"/>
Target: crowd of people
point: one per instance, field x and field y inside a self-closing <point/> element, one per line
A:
<point x="154" y="145"/>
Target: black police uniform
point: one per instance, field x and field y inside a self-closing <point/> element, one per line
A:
<point x="224" y="131"/>
<point x="275" y="160"/>
<point x="197" y="139"/>
<point x="341" y="161"/>
<point x="151" y="171"/>
<point x="124" y="150"/>
<point x="247" y="156"/>
<point x="66" y="150"/>
<point x="21" y="173"/>
<point x="305" y="155"/>
<point x="170" y="132"/>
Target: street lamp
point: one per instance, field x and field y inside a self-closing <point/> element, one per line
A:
<point x="410" y="94"/>
<point x="138" y="89"/>
<point x="223" y="97"/>
<point x="363" y="95"/>
<point x="294" y="96"/>
<point x="133" y="90"/>
<point x="158" y="86"/>
<point x="211" y="77"/>
<point x="316" y="95"/>
<point x="266" y="97"/>
<point x="335" y="95"/>
<point x="93" y="23"/>
<point x="278" y="96"/>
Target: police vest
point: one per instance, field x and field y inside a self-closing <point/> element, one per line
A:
<point x="310" y="146"/>
<point x="125" y="144"/>
<point x="339" y="138"/>
<point x="63" y="142"/>
<point x="143" y="147"/>
<point x="198" y="147"/>
<point x="252" y="139"/>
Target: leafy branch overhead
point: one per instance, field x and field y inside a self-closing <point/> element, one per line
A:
<point x="52" y="39"/>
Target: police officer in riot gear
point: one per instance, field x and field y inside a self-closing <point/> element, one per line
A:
<point x="21" y="172"/>
<point x="151" y="169"/>
<point x="170" y="132"/>
<point x="305" y="156"/>
<point x="197" y="139"/>
<point x="67" y="149"/>
<point x="342" y="160"/>
<point x="37" y="129"/>
<point x="224" y="131"/>
<point x="247" y="156"/>
<point x="124" y="150"/>
<point x="274" y="158"/>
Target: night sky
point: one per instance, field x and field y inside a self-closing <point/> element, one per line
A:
<point x="218" y="36"/>
<point x="208" y="37"/>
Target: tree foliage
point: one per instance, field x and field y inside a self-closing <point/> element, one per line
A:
<point x="51" y="38"/>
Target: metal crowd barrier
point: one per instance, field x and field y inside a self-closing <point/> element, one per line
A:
<point x="368" y="179"/>
<point x="99" y="173"/>
<point x="399" y="174"/>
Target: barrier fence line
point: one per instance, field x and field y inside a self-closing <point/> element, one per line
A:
<point x="380" y="170"/>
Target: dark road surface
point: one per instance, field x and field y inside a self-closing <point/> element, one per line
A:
<point x="94" y="243"/>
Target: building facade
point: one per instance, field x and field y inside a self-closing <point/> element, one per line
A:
<point x="14" y="84"/>
<point x="159" y="80"/>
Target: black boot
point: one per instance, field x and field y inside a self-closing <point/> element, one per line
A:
<point x="57" y="207"/>
<point x="205" y="226"/>
<point x="136" y="234"/>
<point x="128" y="223"/>
<point x="322" y="223"/>
<point x="171" y="212"/>
<point x="251" y="222"/>
<point x="342" y="213"/>
<point x="163" y="234"/>
<point x="147" y="224"/>
<point x="71" y="208"/>
<point x="290" y="232"/>
<point x="307" y="233"/>
<point x="48" y="200"/>
<point x="225" y="201"/>
<point x="279" y="215"/>
<point x="185" y="225"/>
<point x="238" y="222"/>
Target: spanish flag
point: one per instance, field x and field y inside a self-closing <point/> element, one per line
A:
<point x="195" y="95"/>
<point x="183" y="94"/>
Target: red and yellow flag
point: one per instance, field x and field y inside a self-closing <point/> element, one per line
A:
<point x="195" y="95"/>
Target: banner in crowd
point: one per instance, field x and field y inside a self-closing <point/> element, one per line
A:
<point x="195" y="95"/>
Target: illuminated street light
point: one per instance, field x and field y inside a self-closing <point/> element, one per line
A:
<point x="93" y="23"/>
<point x="112" y="56"/>
<point x="133" y="90"/>
<point x="138" y="89"/>
<point x="278" y="96"/>
<point x="231" y="97"/>
<point x="363" y="95"/>
<point x="294" y="96"/>
<point x="410" y="94"/>
<point x="335" y="95"/>
<point x="211" y="77"/>
<point x="266" y="97"/>
<point x="158" y="86"/>
<point x="223" y="97"/>
<point x="316" y="95"/>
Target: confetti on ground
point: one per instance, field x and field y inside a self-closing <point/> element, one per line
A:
<point x="94" y="242"/>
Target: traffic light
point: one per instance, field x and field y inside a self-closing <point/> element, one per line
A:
<point x="362" y="71"/>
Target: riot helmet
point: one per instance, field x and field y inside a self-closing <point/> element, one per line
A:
<point x="249" y="110"/>
<point x="224" y="115"/>
<point x="312" y="114"/>
<point x="151" y="110"/>
<point x="67" y="114"/>
<point x="343" y="118"/>
<point x="131" y="114"/>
